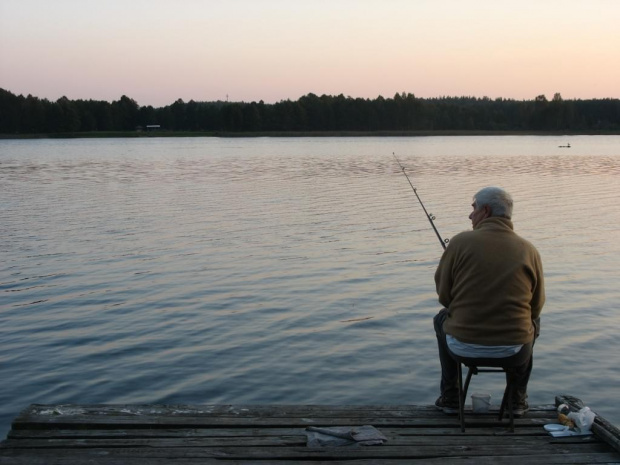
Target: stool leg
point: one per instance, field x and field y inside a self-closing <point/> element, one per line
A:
<point x="472" y="371"/>
<point x="507" y="403"/>
<point x="461" y="398"/>
<point x="463" y="391"/>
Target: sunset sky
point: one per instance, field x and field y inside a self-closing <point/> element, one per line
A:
<point x="157" y="51"/>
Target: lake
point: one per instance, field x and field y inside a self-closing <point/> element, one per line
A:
<point x="286" y="270"/>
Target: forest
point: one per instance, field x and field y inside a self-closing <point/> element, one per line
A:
<point x="403" y="112"/>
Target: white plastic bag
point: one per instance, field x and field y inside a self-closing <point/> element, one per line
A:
<point x="583" y="419"/>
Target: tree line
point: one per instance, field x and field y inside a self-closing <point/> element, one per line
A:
<point x="403" y="112"/>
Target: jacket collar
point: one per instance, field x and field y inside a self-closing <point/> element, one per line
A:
<point x="495" y="222"/>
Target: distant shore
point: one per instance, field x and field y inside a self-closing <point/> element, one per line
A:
<point x="227" y="134"/>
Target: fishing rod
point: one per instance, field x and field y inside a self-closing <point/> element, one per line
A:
<point x="430" y="216"/>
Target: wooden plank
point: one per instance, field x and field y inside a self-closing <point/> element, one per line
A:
<point x="499" y="442"/>
<point x="246" y="410"/>
<point x="549" y="459"/>
<point x="304" y="453"/>
<point x="86" y="417"/>
<point x="297" y="438"/>
<point x="267" y="432"/>
<point x="223" y="411"/>
<point x="92" y="422"/>
<point x="241" y="411"/>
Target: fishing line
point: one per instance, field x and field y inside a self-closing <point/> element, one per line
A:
<point x="430" y="216"/>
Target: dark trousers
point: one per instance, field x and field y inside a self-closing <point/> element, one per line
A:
<point x="449" y="375"/>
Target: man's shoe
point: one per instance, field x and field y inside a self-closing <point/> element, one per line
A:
<point x="447" y="406"/>
<point x="520" y="408"/>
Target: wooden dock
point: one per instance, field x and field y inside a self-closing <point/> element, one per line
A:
<point x="210" y="434"/>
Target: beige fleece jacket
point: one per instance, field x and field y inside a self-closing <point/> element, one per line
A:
<point x="491" y="281"/>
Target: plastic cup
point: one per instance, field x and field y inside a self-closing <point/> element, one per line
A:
<point x="480" y="402"/>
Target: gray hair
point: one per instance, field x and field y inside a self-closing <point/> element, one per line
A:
<point x="497" y="198"/>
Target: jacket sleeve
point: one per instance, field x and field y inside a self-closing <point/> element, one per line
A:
<point x="538" y="293"/>
<point x="443" y="278"/>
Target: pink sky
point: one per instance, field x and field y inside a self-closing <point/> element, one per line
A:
<point x="158" y="51"/>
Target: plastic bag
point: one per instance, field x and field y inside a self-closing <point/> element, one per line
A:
<point x="583" y="419"/>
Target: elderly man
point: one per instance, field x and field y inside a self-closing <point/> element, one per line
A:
<point x="490" y="282"/>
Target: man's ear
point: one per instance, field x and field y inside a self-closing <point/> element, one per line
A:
<point x="487" y="211"/>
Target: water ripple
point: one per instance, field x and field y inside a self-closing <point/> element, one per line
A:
<point x="256" y="270"/>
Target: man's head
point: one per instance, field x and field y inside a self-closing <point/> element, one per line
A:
<point x="488" y="202"/>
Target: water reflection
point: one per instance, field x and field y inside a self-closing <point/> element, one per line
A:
<point x="276" y="168"/>
<point x="252" y="270"/>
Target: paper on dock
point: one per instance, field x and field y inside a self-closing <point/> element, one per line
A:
<point x="559" y="431"/>
<point x="344" y="436"/>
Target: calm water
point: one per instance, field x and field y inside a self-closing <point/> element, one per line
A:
<point x="286" y="270"/>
